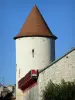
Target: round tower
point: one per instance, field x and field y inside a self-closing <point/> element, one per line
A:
<point x="35" y="46"/>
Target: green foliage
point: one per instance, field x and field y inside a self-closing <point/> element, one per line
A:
<point x="7" y="97"/>
<point x="63" y="91"/>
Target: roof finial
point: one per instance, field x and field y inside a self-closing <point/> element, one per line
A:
<point x="35" y="5"/>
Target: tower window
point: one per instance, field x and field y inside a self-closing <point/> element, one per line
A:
<point x="19" y="73"/>
<point x="32" y="52"/>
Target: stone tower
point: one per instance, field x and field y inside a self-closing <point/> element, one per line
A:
<point x="35" y="46"/>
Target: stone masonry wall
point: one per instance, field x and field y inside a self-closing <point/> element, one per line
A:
<point x="62" y="69"/>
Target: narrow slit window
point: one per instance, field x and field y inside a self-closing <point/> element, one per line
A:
<point x="19" y="72"/>
<point x="32" y="52"/>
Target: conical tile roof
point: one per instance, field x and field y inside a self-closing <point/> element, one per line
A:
<point x="35" y="25"/>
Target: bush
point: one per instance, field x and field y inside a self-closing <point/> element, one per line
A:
<point x="63" y="91"/>
<point x="7" y="97"/>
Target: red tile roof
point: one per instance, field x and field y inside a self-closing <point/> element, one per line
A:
<point x="35" y="25"/>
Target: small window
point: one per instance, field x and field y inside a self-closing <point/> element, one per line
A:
<point x="19" y="72"/>
<point x="32" y="52"/>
